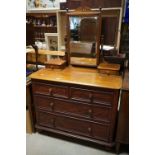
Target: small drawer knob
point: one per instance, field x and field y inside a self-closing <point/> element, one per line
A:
<point x="89" y="129"/>
<point x="50" y="91"/>
<point x="90" y="111"/>
<point x="52" y="105"/>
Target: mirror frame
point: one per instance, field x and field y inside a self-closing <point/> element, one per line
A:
<point x="113" y="14"/>
<point x="84" y="12"/>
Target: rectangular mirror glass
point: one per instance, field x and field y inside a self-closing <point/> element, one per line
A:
<point x="83" y="37"/>
<point x="83" y="32"/>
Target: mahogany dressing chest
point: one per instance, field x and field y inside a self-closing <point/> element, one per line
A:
<point x="77" y="102"/>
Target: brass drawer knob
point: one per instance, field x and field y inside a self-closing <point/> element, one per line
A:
<point x="89" y="129"/>
<point x="52" y="105"/>
<point x="50" y="91"/>
<point x="90" y="111"/>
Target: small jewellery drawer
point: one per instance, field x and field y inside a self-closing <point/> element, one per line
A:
<point x="50" y="90"/>
<point x="80" y="94"/>
<point x="73" y="108"/>
<point x="75" y="126"/>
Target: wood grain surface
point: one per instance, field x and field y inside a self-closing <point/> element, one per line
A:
<point x="77" y="75"/>
<point x="48" y="52"/>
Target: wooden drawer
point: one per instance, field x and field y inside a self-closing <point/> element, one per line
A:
<point x="101" y="132"/>
<point x="109" y="72"/>
<point x="64" y="107"/>
<point x="45" y="119"/>
<point x="103" y="97"/>
<point x="50" y="90"/>
<point x="77" y="109"/>
<point x="101" y="113"/>
<point x="100" y="97"/>
<point x="80" y="94"/>
<point x="75" y="126"/>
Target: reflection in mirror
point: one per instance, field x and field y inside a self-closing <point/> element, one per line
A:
<point x="83" y="28"/>
<point x="83" y="38"/>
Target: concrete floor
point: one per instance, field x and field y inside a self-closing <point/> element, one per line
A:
<point x="38" y="144"/>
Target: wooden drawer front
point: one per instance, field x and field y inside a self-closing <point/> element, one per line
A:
<point x="74" y="126"/>
<point x="110" y="72"/>
<point x="105" y="98"/>
<point x="45" y="119"/>
<point x="51" y="90"/>
<point x="62" y="106"/>
<point x="72" y="108"/>
<point x="43" y="102"/>
<point x="79" y="127"/>
<point x="101" y="113"/>
<point x="63" y="123"/>
<point x="81" y="94"/>
<point x="100" y="132"/>
<point x="97" y="113"/>
<point x="76" y="109"/>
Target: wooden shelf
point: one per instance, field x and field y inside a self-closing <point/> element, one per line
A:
<point x="38" y="31"/>
<point x="48" y="52"/>
<point x="31" y="62"/>
<point x="41" y="14"/>
<point x="41" y="23"/>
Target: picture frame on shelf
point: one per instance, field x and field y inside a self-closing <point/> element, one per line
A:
<point x="34" y="5"/>
<point x="51" y="40"/>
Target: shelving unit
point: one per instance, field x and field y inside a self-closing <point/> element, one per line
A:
<point x="53" y="21"/>
<point x="42" y="23"/>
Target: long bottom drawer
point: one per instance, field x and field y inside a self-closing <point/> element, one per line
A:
<point x="73" y="125"/>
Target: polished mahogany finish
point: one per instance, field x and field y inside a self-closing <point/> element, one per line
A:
<point x="80" y="76"/>
<point x="54" y="90"/>
<point x="76" y="110"/>
<point x="73" y="108"/>
<point x="74" y="125"/>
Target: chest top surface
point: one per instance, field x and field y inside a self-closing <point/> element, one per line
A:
<point x="81" y="76"/>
